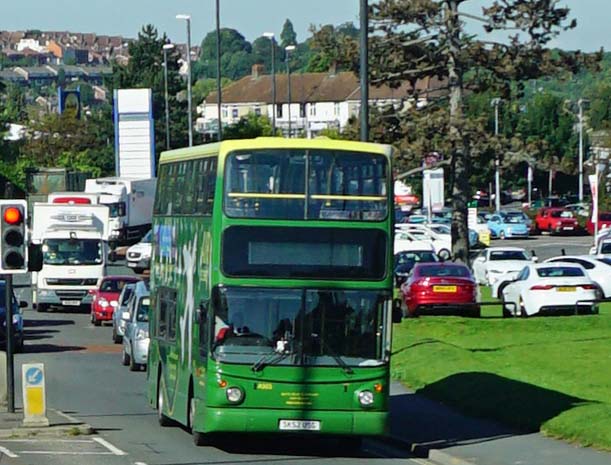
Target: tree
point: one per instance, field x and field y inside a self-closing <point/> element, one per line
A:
<point x="236" y="57"/>
<point x="417" y="39"/>
<point x="288" y="36"/>
<point x="249" y="127"/>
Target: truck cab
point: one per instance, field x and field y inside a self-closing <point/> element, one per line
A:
<point x="73" y="240"/>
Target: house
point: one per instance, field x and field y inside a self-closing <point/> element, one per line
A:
<point x="318" y="100"/>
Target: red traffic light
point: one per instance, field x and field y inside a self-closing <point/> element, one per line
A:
<point x="13" y="215"/>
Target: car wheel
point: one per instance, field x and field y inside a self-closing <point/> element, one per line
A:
<point x="115" y="337"/>
<point x="161" y="418"/>
<point x="522" y="309"/>
<point x="133" y="366"/>
<point x="95" y="321"/>
<point x="124" y="357"/>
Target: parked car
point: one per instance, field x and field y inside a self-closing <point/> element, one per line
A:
<point x="521" y="217"/>
<point x="118" y="323"/>
<point x="496" y="263"/>
<point x="105" y="298"/>
<point x="17" y="319"/>
<point x="556" y="221"/>
<point x="441" y="288"/>
<point x="139" y="255"/>
<point x="502" y="226"/>
<point x="598" y="268"/>
<point x="579" y="209"/>
<point x="550" y="289"/>
<point x="406" y="260"/>
<point x="420" y="237"/>
<point x="136" y="337"/>
<point x="604" y="221"/>
<point x="555" y="201"/>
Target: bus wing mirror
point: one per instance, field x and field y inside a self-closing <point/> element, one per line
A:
<point x="34" y="257"/>
<point x="201" y="311"/>
<point x="397" y="312"/>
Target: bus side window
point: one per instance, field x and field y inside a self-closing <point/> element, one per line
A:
<point x="190" y="189"/>
<point x="210" y="185"/>
<point x="171" y="309"/>
<point x="161" y="196"/>
<point x="199" y="202"/>
<point x="161" y="315"/>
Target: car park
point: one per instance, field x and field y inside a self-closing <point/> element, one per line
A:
<point x="406" y="260"/>
<point x="502" y="226"/>
<point x="441" y="288"/>
<point x="136" y="338"/>
<point x="138" y="256"/>
<point x="550" y="288"/>
<point x="496" y="263"/>
<point x="556" y="221"/>
<point x="105" y="298"/>
<point x="604" y="221"/>
<point x="597" y="267"/>
<point x="118" y="322"/>
<point x="18" y="337"/>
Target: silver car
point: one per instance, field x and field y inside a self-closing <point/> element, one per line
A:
<point x="136" y="336"/>
<point x="118" y="323"/>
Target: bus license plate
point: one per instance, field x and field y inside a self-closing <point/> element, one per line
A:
<point x="299" y="425"/>
<point x="71" y="303"/>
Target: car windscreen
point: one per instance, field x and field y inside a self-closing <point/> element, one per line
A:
<point x="605" y="247"/>
<point x="562" y="214"/>
<point x="560" y="272"/>
<point x="498" y="255"/>
<point x="605" y="260"/>
<point x="127" y="293"/>
<point x="415" y="257"/>
<point x="444" y="271"/>
<point x="142" y="313"/>
<point x="113" y="285"/>
<point x="605" y="217"/>
<point x="512" y="219"/>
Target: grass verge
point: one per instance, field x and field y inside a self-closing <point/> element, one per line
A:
<point x="538" y="374"/>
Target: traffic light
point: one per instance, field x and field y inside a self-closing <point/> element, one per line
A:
<point x="13" y="241"/>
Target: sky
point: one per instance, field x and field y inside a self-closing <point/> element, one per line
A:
<point x="250" y="17"/>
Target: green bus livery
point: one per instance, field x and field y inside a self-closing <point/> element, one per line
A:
<point x="271" y="279"/>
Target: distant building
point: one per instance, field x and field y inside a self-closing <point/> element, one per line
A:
<point x="318" y="100"/>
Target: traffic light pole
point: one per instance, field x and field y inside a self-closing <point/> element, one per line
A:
<point x="10" y="372"/>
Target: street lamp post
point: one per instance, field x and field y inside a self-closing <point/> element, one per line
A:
<point x="364" y="69"/>
<point x="289" y="49"/>
<point x="166" y="49"/>
<point x="187" y="18"/>
<point x="581" y="103"/>
<point x="219" y="89"/>
<point x="497" y="175"/>
<point x="271" y="37"/>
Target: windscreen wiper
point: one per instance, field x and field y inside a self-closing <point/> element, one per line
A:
<point x="340" y="361"/>
<point x="270" y="359"/>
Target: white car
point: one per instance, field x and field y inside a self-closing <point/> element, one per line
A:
<point x="550" y="288"/>
<point x="419" y="236"/>
<point x="597" y="267"/>
<point x="496" y="264"/>
<point x="139" y="255"/>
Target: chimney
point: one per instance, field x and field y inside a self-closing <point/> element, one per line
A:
<point x="257" y="70"/>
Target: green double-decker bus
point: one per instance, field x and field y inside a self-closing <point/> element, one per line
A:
<point x="271" y="287"/>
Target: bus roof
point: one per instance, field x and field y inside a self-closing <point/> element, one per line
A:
<point x="272" y="143"/>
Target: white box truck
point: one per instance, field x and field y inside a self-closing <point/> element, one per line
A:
<point x="75" y="250"/>
<point x="130" y="202"/>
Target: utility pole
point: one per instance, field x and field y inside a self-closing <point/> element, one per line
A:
<point x="219" y="93"/>
<point x="580" y="104"/>
<point x="497" y="174"/>
<point x="166" y="48"/>
<point x="364" y="69"/>
<point x="289" y="49"/>
<point x="187" y="18"/>
<point x="271" y="37"/>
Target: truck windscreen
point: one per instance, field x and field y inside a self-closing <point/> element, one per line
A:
<point x="72" y="252"/>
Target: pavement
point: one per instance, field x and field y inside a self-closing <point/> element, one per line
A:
<point x="60" y="425"/>
<point x="432" y="430"/>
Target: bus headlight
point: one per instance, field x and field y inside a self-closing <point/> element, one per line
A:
<point x="366" y="398"/>
<point x="234" y="395"/>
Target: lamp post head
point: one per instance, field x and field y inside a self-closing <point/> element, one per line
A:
<point x="183" y="16"/>
<point x="269" y="35"/>
<point x="495" y="101"/>
<point x="167" y="47"/>
<point x="289" y="48"/>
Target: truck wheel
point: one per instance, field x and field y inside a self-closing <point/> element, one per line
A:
<point x="41" y="308"/>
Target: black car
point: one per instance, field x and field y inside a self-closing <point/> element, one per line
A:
<point x="405" y="261"/>
<point x="17" y="321"/>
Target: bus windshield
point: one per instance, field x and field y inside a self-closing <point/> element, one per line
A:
<point x="272" y="184"/>
<point x="72" y="252"/>
<point x="310" y="327"/>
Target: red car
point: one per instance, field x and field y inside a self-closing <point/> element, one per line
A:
<point x="441" y="288"/>
<point x="105" y="297"/>
<point x="556" y="221"/>
<point x="604" y="221"/>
